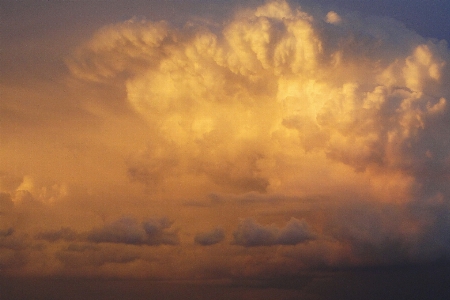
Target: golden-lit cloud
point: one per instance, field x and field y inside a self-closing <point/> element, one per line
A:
<point x="282" y="140"/>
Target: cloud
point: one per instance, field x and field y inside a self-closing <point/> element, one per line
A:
<point x="251" y="234"/>
<point x="229" y="105"/>
<point x="210" y="238"/>
<point x="13" y="240"/>
<point x="127" y="230"/>
<point x="6" y="232"/>
<point x="281" y="101"/>
<point x="157" y="232"/>
<point x="137" y="43"/>
<point x="81" y="256"/>
<point x="8" y="182"/>
<point x="380" y="233"/>
<point x="65" y="233"/>
<point x="333" y="18"/>
<point x="337" y="121"/>
<point x="6" y="203"/>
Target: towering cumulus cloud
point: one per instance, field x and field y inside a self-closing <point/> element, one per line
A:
<point x="281" y="139"/>
<point x="281" y="101"/>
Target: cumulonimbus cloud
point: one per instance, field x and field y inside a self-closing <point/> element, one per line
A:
<point x="284" y="101"/>
<point x="218" y="103"/>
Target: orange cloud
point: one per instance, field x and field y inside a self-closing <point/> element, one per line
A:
<point x="331" y="131"/>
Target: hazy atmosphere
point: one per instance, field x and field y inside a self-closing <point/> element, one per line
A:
<point x="224" y="149"/>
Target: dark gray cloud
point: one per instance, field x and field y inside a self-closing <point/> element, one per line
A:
<point x="158" y="233"/>
<point x="127" y="230"/>
<point x="64" y="233"/>
<point x="251" y="234"/>
<point x="210" y="238"/>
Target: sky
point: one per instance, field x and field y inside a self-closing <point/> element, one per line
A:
<point x="259" y="149"/>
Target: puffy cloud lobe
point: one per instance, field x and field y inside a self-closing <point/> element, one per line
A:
<point x="251" y="234"/>
<point x="156" y="230"/>
<point x="26" y="191"/>
<point x="125" y="230"/>
<point x="128" y="231"/>
<point x="333" y="18"/>
<point x="210" y="238"/>
<point x="137" y="43"/>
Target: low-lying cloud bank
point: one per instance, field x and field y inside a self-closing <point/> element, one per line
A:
<point x="251" y="234"/>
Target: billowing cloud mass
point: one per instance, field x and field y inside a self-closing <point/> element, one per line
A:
<point x="285" y="138"/>
<point x="276" y="81"/>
